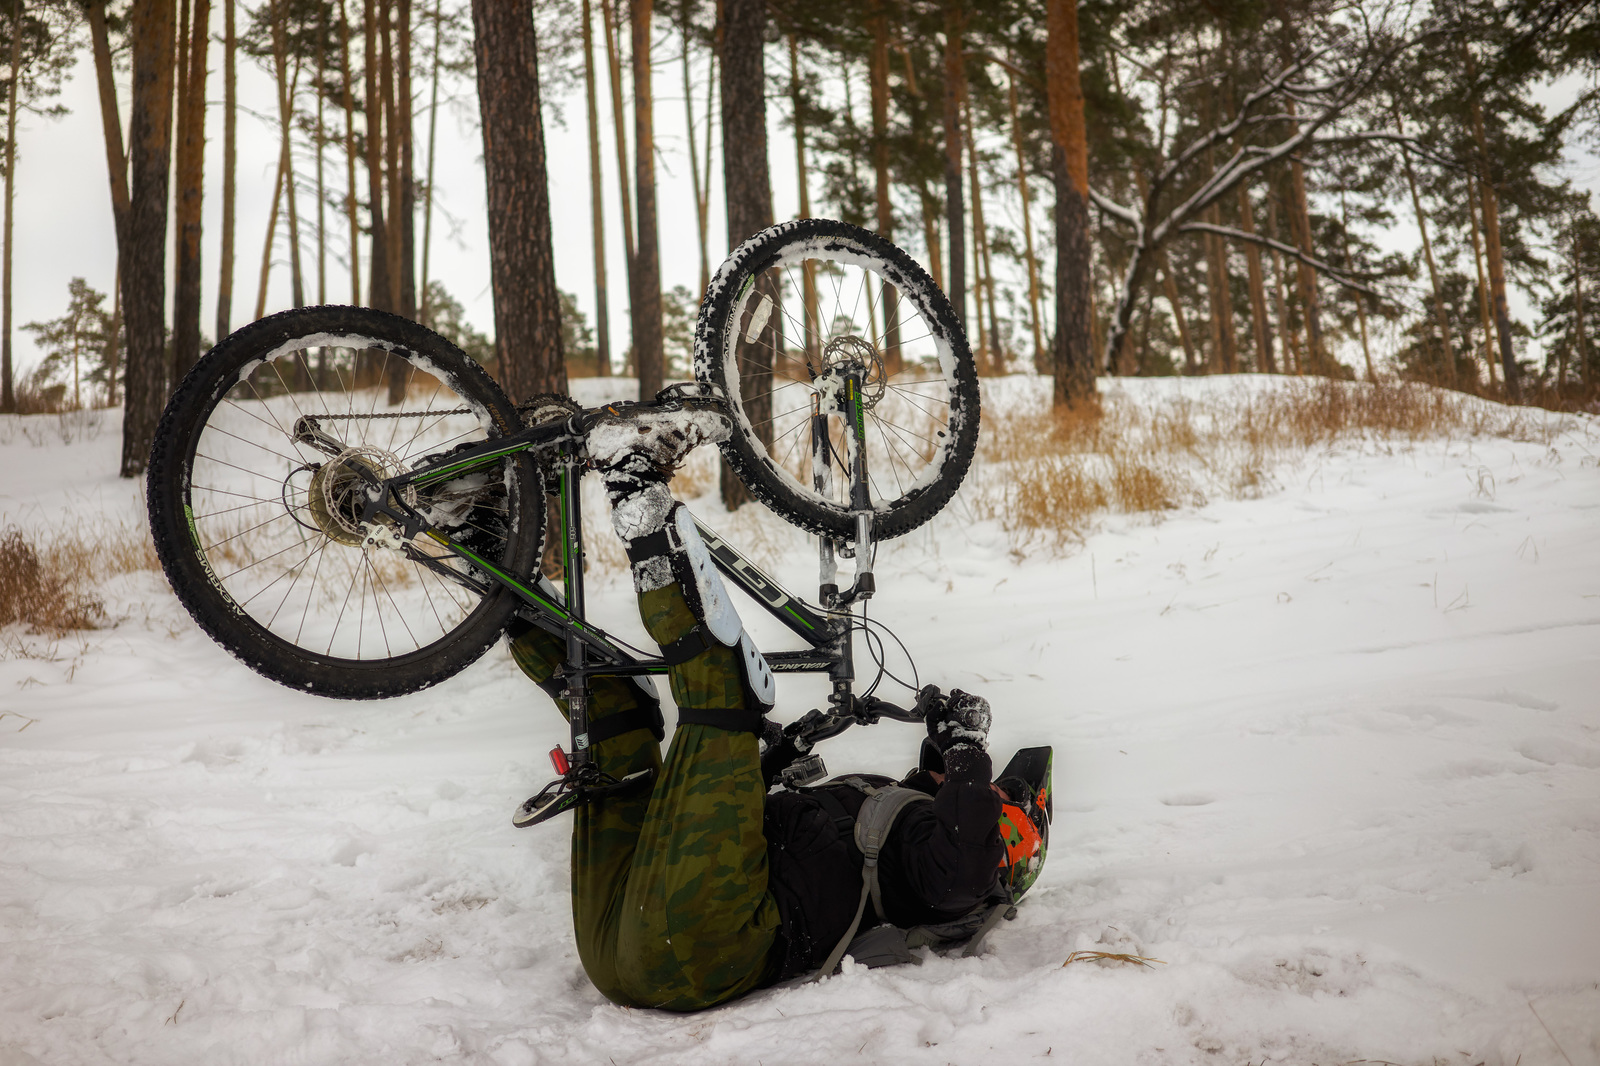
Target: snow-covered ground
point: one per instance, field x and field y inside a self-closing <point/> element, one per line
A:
<point x="1333" y="755"/>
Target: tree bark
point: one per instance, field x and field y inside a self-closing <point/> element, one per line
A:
<point x="1577" y="307"/>
<point x="378" y="257"/>
<point x="349" y="156"/>
<point x="955" y="221"/>
<point x="191" y="180"/>
<point x="144" y="273"/>
<point x="620" y="127"/>
<point x="408" y="184"/>
<point x="602" y="313"/>
<point x="1191" y="364"/>
<point x="1486" y="319"/>
<point x="8" y="396"/>
<point x="1361" y="302"/>
<point x="1027" y="225"/>
<point x="648" y="356"/>
<point x="1261" y="329"/>
<point x="391" y="167"/>
<point x="1300" y="223"/>
<point x="748" y="191"/>
<point x="272" y="233"/>
<point x="1491" y="237"/>
<point x="808" y="272"/>
<point x="992" y="359"/>
<point x="527" y="305"/>
<point x="321" y="135"/>
<point x="701" y="191"/>
<point x="1073" y="364"/>
<point x="878" y="69"/>
<point x="1448" y="352"/>
<point x="230" y="165"/>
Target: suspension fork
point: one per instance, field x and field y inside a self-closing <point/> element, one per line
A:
<point x="577" y="690"/>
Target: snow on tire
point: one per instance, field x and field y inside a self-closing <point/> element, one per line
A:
<point x="801" y="296"/>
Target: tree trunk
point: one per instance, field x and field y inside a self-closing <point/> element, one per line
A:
<point x="378" y="258"/>
<point x="527" y="305"/>
<point x="230" y="164"/>
<point x="602" y="313"/>
<point x="701" y="192"/>
<point x="144" y="273"/>
<point x="1300" y="227"/>
<point x="408" y="184"/>
<point x="1491" y="238"/>
<point x="748" y="190"/>
<point x="8" y="396"/>
<point x="955" y="221"/>
<point x="1073" y="363"/>
<point x="391" y="165"/>
<point x="1261" y="329"/>
<point x="349" y="157"/>
<point x="1483" y="281"/>
<point x="620" y="128"/>
<point x="1027" y="225"/>
<point x="113" y="347"/>
<point x="287" y="84"/>
<point x="1439" y="317"/>
<point x="322" y="214"/>
<point x="425" y="309"/>
<point x="648" y="356"/>
<point x="1577" y="308"/>
<point x="191" y="180"/>
<point x="808" y="273"/>
<point x="992" y="359"/>
<point x="272" y="233"/>
<point x="1361" y="300"/>
<point x="878" y="68"/>
<point x="1191" y="364"/>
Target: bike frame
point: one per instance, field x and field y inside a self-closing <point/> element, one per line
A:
<point x="591" y="652"/>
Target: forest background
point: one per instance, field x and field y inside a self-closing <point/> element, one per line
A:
<point x="1346" y="189"/>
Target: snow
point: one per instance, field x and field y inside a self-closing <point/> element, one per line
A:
<point x="1332" y="755"/>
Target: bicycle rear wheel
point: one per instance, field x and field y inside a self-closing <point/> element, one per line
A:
<point x="788" y="308"/>
<point x="257" y="480"/>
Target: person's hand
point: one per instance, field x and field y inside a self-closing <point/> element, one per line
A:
<point x="958" y="718"/>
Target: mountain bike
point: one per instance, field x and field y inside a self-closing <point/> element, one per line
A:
<point x="350" y="505"/>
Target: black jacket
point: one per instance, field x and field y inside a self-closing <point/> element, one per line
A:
<point x="940" y="861"/>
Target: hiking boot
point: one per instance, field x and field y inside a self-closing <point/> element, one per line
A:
<point x="637" y="449"/>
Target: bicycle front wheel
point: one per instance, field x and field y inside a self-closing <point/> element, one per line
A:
<point x="259" y="475"/>
<point x="790" y="307"/>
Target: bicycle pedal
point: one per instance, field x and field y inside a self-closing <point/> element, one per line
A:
<point x="559" y="796"/>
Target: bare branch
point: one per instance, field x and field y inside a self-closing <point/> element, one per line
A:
<point x="1338" y="274"/>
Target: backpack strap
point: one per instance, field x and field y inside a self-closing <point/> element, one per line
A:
<point x="873" y="823"/>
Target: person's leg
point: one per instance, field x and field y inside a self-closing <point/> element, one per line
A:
<point x="606" y="832"/>
<point x="670" y="902"/>
<point x="698" y="923"/>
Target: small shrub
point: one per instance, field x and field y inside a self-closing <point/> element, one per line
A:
<point x="39" y="595"/>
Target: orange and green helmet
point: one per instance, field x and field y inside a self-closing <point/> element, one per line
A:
<point x="1025" y="818"/>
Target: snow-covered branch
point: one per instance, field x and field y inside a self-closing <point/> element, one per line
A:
<point x="1339" y="274"/>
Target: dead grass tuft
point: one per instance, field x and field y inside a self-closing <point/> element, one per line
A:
<point x="46" y="579"/>
<point x="1048" y="475"/>
<point x="38" y="595"/>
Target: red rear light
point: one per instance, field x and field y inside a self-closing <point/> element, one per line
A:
<point x="558" y="759"/>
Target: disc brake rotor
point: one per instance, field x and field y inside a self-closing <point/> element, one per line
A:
<point x="339" y="492"/>
<point x="842" y="351"/>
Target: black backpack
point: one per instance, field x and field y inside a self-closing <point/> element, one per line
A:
<point x="825" y="836"/>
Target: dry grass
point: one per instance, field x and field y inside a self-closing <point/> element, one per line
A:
<point x="1046" y="476"/>
<point x="47" y="578"/>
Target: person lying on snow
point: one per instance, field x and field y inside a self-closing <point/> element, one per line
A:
<point x="706" y="887"/>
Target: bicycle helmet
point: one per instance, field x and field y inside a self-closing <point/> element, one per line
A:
<point x="1025" y="818"/>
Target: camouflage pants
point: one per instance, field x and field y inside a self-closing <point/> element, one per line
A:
<point x="669" y="890"/>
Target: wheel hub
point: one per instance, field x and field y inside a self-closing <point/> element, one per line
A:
<point x="341" y="488"/>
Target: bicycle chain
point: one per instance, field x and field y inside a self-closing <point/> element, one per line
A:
<point x="521" y="408"/>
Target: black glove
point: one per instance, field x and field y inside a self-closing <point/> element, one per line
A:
<point x="959" y="718"/>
